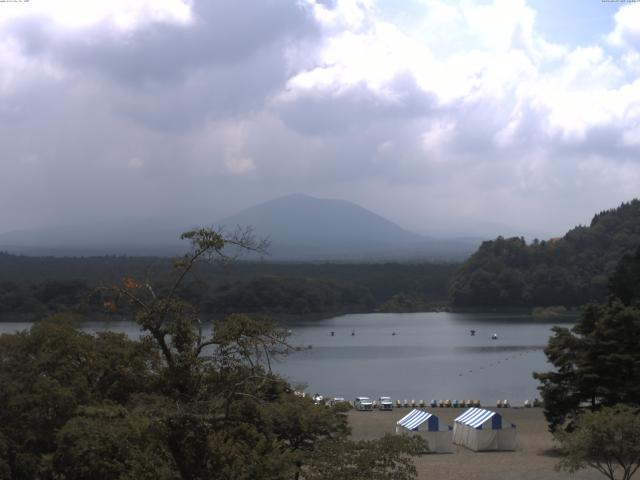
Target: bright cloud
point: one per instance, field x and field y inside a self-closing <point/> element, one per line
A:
<point x="627" y="29"/>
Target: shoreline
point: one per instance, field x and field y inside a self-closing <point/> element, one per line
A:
<point x="567" y="316"/>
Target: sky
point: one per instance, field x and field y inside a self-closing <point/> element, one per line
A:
<point x="447" y="117"/>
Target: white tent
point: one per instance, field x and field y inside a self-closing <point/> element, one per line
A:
<point x="479" y="429"/>
<point x="427" y="426"/>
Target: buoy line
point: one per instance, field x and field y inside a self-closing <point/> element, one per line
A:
<point x="497" y="362"/>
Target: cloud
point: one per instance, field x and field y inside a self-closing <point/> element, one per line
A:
<point x="627" y="27"/>
<point x="453" y="112"/>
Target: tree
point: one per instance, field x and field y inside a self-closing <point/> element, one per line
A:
<point x="177" y="404"/>
<point x="302" y="426"/>
<point x="5" y="469"/>
<point x="607" y="440"/>
<point x="235" y="418"/>
<point x="597" y="363"/>
<point x="108" y="442"/>
<point x="568" y="271"/>
<point x="625" y="281"/>
<point x="47" y="373"/>
<point x="388" y="458"/>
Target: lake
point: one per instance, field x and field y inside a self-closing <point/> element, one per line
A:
<point x="431" y="356"/>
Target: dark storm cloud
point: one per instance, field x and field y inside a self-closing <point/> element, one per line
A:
<point x="222" y="33"/>
<point x="228" y="61"/>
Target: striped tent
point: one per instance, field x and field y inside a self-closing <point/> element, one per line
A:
<point x="427" y="425"/>
<point x="480" y="429"/>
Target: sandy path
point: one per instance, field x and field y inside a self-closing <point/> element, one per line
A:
<point x="534" y="458"/>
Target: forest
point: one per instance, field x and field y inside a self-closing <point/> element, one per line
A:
<point x="570" y="271"/>
<point x="504" y="273"/>
<point x="32" y="287"/>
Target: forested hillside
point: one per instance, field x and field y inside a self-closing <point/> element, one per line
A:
<point x="571" y="270"/>
<point x="33" y="287"/>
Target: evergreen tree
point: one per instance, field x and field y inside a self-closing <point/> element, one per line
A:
<point x="597" y="362"/>
<point x="625" y="281"/>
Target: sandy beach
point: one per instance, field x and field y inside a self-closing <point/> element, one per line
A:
<point x="534" y="459"/>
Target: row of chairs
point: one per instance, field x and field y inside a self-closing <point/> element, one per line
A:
<point x="438" y="403"/>
<point x="412" y="404"/>
<point x="455" y="403"/>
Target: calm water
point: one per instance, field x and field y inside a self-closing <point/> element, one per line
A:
<point x="432" y="355"/>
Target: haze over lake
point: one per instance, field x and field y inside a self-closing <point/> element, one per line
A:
<point x="432" y="355"/>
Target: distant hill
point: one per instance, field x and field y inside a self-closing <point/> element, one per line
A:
<point x="571" y="270"/>
<point x="301" y="227"/>
<point x="127" y="237"/>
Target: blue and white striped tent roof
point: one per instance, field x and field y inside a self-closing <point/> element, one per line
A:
<point x="475" y="417"/>
<point x="415" y="418"/>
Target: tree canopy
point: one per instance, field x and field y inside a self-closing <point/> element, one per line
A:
<point x="175" y="404"/>
<point x="571" y="271"/>
<point x="597" y="362"/>
<point x="32" y="288"/>
<point x="607" y="440"/>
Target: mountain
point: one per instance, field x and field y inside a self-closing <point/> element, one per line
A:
<point x="570" y="271"/>
<point x="307" y="221"/>
<point x="301" y="227"/>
